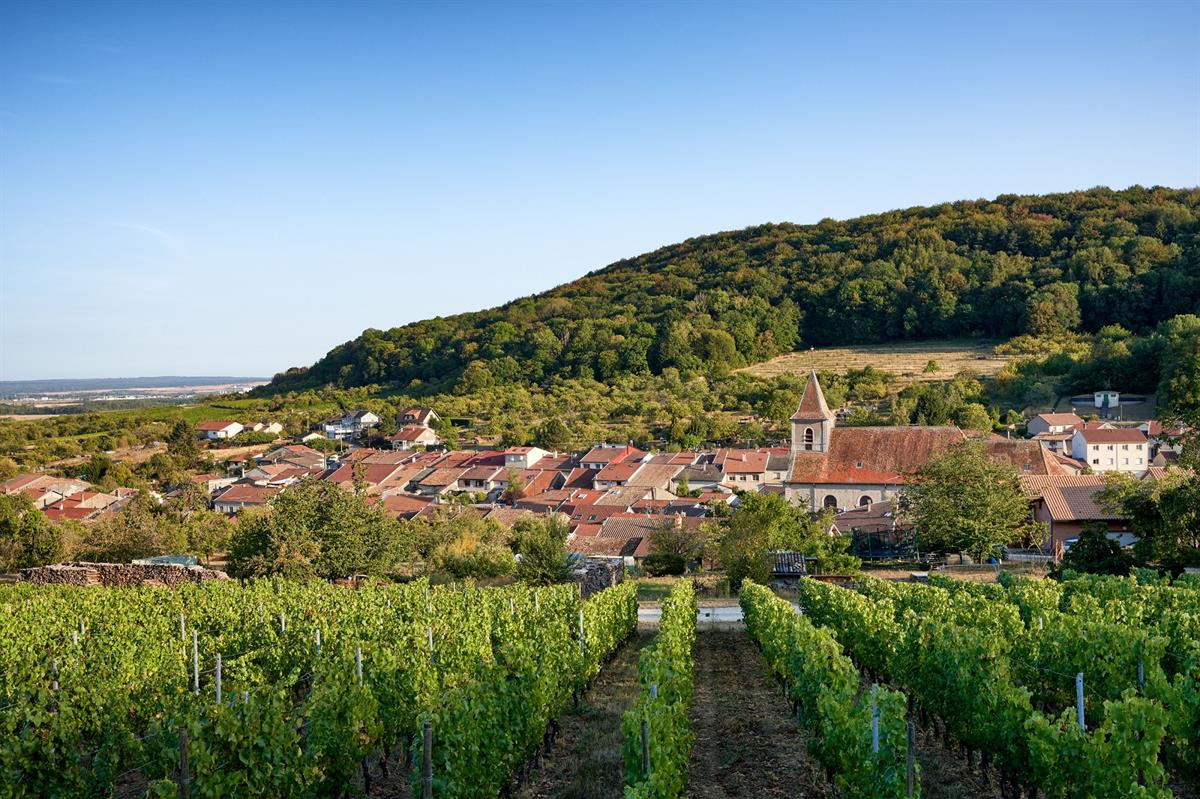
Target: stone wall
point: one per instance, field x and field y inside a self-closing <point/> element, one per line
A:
<point x="118" y="574"/>
<point x="596" y="574"/>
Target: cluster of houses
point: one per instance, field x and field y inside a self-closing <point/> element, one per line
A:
<point x="68" y="499"/>
<point x="615" y="496"/>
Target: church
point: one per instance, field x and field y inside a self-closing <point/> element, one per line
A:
<point x="848" y="467"/>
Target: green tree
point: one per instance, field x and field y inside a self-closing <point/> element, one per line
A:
<point x="963" y="500"/>
<point x="1053" y="309"/>
<point x="181" y="443"/>
<point x="552" y="434"/>
<point x="140" y="530"/>
<point x="27" y="537"/>
<point x="1165" y="515"/>
<point x="541" y="542"/>
<point x="316" y="529"/>
<point x="1096" y="553"/>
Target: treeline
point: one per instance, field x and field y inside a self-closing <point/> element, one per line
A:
<point x="1037" y="265"/>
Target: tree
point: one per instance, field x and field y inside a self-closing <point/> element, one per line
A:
<point x="207" y="533"/>
<point x="181" y="443"/>
<point x="1179" y="364"/>
<point x="315" y="528"/>
<point x="140" y="530"/>
<point x="1053" y="309"/>
<point x="669" y="539"/>
<point x="542" y="544"/>
<point x="1096" y="553"/>
<point x="762" y="523"/>
<point x="552" y="434"/>
<point x="514" y="487"/>
<point x="1165" y="515"/>
<point x="456" y="540"/>
<point x="963" y="500"/>
<point x="27" y="537"/>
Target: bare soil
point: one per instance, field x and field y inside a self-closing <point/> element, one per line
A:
<point x="747" y="742"/>
<point x="586" y="762"/>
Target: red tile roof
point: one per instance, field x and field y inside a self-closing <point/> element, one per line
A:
<point x="872" y="455"/>
<point x="1117" y="435"/>
<point x="618" y="472"/>
<point x="1057" y="419"/>
<point x="610" y="454"/>
<point x="812" y="404"/>
<point x="246" y="494"/>
<point x="742" y="461"/>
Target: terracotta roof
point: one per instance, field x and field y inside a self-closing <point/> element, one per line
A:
<point x="1026" y="456"/>
<point x="214" y="426"/>
<point x="1034" y="485"/>
<point x="1076" y="503"/>
<point x="742" y="461"/>
<point x="1116" y="435"/>
<point x="404" y="506"/>
<point x="623" y="495"/>
<point x="372" y="474"/>
<point x="812" y="404"/>
<point x="872" y="455"/>
<point x="1059" y="418"/>
<point x="412" y="433"/>
<point x="507" y="517"/>
<point x="580" y="478"/>
<point x="458" y="457"/>
<point x="876" y="517"/>
<point x="441" y="477"/>
<point x="675" y="458"/>
<point x="247" y="494"/>
<point x="481" y="473"/>
<point x="637" y="547"/>
<point x="618" y="472"/>
<point x="609" y="454"/>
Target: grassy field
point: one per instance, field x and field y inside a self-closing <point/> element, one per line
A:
<point x="905" y="359"/>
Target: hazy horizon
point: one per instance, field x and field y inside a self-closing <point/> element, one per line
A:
<point x="206" y="190"/>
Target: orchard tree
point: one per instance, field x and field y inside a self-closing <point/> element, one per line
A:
<point x="541" y="541"/>
<point x="965" y="501"/>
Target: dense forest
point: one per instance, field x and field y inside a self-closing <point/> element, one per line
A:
<point x="1016" y="265"/>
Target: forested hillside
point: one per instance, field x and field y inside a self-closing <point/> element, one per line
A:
<point x="1017" y="264"/>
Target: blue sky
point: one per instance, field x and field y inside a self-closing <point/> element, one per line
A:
<point x="234" y="188"/>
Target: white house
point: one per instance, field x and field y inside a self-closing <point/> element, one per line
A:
<point x="1053" y="423"/>
<point x="421" y="417"/>
<point x="523" y="457"/>
<point x="1112" y="449"/>
<point x="219" y="430"/>
<point x="413" y="435"/>
<point x="350" y="425"/>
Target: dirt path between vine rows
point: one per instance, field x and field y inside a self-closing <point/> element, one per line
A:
<point x="747" y="742"/>
<point x="586" y="762"/>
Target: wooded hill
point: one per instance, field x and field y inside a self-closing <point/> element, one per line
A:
<point x="1000" y="268"/>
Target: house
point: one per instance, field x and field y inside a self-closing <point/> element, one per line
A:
<point x="482" y="479"/>
<point x="410" y="436"/>
<point x="1065" y="503"/>
<point x="1111" y="449"/>
<point x="1052" y="423"/>
<point x="297" y="455"/>
<point x="419" y="417"/>
<point x="616" y="474"/>
<point x="742" y="468"/>
<point x="602" y="455"/>
<point x="350" y="425"/>
<point x="212" y="482"/>
<point x="845" y="467"/>
<point x="264" y="427"/>
<point x="214" y="431"/>
<point x="1165" y="442"/>
<point x="243" y="495"/>
<point x="404" y="506"/>
<point x="523" y="457"/>
<point x="655" y="475"/>
<point x="1027" y="457"/>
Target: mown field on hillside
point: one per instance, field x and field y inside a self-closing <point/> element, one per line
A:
<point x="905" y="359"/>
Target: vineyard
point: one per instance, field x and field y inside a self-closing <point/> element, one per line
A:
<point x="282" y="689"/>
<point x="1085" y="690"/>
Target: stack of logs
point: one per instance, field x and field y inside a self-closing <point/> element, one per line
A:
<point x="596" y="574"/>
<point x="118" y="574"/>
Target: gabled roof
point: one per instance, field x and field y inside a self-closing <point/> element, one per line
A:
<point x="1057" y="419"/>
<point x="1025" y="455"/>
<point x="619" y="472"/>
<point x="412" y="433"/>
<point x="214" y="427"/>
<point x="812" y="403"/>
<point x="247" y="494"/>
<point x="742" y="461"/>
<point x="872" y="455"/>
<point x="606" y="454"/>
<point x="1115" y="435"/>
<point x="655" y="475"/>
<point x="1034" y="485"/>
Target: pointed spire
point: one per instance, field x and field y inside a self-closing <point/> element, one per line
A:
<point x="812" y="404"/>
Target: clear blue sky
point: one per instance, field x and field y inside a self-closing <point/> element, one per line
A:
<point x="234" y="188"/>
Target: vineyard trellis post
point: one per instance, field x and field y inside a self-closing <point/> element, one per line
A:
<point x="185" y="776"/>
<point x="912" y="746"/>
<point x="54" y="667"/>
<point x="1141" y="674"/>
<point x="427" y="762"/>
<point x="1079" y="700"/>
<point x="874" y="723"/>
<point x="218" y="678"/>
<point x="645" y="748"/>
<point x="318" y="640"/>
<point x="195" y="661"/>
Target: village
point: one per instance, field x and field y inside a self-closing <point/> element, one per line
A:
<point x="614" y="496"/>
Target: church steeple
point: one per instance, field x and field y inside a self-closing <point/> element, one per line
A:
<point x="813" y="422"/>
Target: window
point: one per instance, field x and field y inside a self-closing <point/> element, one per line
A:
<point x="863" y="501"/>
<point x="1096" y="461"/>
<point x="808" y="438"/>
<point x="1124" y="446"/>
<point x="830" y="501"/>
